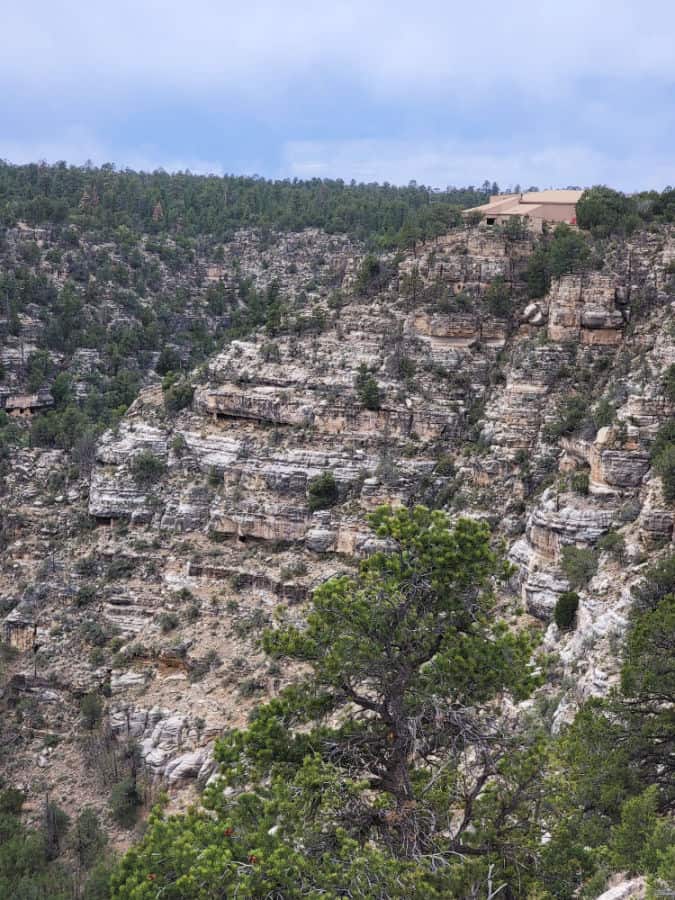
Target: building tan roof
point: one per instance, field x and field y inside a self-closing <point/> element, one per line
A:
<point x="496" y="206"/>
<point x="551" y="197"/>
<point x="533" y="203"/>
<point x="538" y="210"/>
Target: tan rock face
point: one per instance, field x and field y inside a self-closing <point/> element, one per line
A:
<point x="18" y="634"/>
<point x="618" y="468"/>
<point x="184" y="572"/>
<point x="479" y="244"/>
<point x="262" y="404"/>
<point x="656" y="526"/>
<point x="461" y="330"/>
<point x="566" y="520"/>
<point x="583" y="308"/>
<point x="515" y="411"/>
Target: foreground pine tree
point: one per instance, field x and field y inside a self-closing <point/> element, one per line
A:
<point x="383" y="771"/>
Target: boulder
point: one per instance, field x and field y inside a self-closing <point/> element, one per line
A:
<point x="187" y="765"/>
<point x="634" y="889"/>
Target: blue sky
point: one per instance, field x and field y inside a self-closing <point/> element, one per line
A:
<point x="571" y="92"/>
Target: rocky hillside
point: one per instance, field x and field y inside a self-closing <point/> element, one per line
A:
<point x="86" y="317"/>
<point x="145" y="579"/>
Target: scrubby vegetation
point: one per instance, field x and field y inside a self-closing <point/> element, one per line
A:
<point x="498" y="298"/>
<point x="341" y="805"/>
<point x="147" y="468"/>
<point x="367" y="388"/>
<point x="322" y="492"/>
<point x="565" y="612"/>
<point x="57" y="859"/>
<point x="566" y="251"/>
<point x="579" y="565"/>
<point x="570" y="415"/>
<point x="177" y="393"/>
<point x="669" y="382"/>
<point x="663" y="458"/>
<point x="384" y="770"/>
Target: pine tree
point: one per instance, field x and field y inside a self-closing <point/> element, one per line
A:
<point x="383" y="771"/>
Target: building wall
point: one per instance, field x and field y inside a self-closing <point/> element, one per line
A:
<point x="556" y="212"/>
<point x="534" y="224"/>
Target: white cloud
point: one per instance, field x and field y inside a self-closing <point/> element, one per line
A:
<point x="261" y="47"/>
<point x="442" y="163"/>
<point x="560" y="78"/>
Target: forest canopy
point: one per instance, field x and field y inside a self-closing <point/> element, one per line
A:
<point x="159" y="202"/>
<point x="606" y="212"/>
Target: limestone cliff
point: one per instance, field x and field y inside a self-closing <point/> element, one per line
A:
<point x="155" y="587"/>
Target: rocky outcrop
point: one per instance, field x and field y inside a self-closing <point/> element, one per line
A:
<point x="115" y="495"/>
<point x="514" y="413"/>
<point x="612" y="468"/>
<point x="557" y="521"/>
<point x="461" y="330"/>
<point x="132" y="438"/>
<point x="19" y="629"/>
<point x="164" y="741"/>
<point x="583" y="308"/>
<point x="633" y="889"/>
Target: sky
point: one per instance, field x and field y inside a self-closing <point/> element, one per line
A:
<point x="529" y="92"/>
